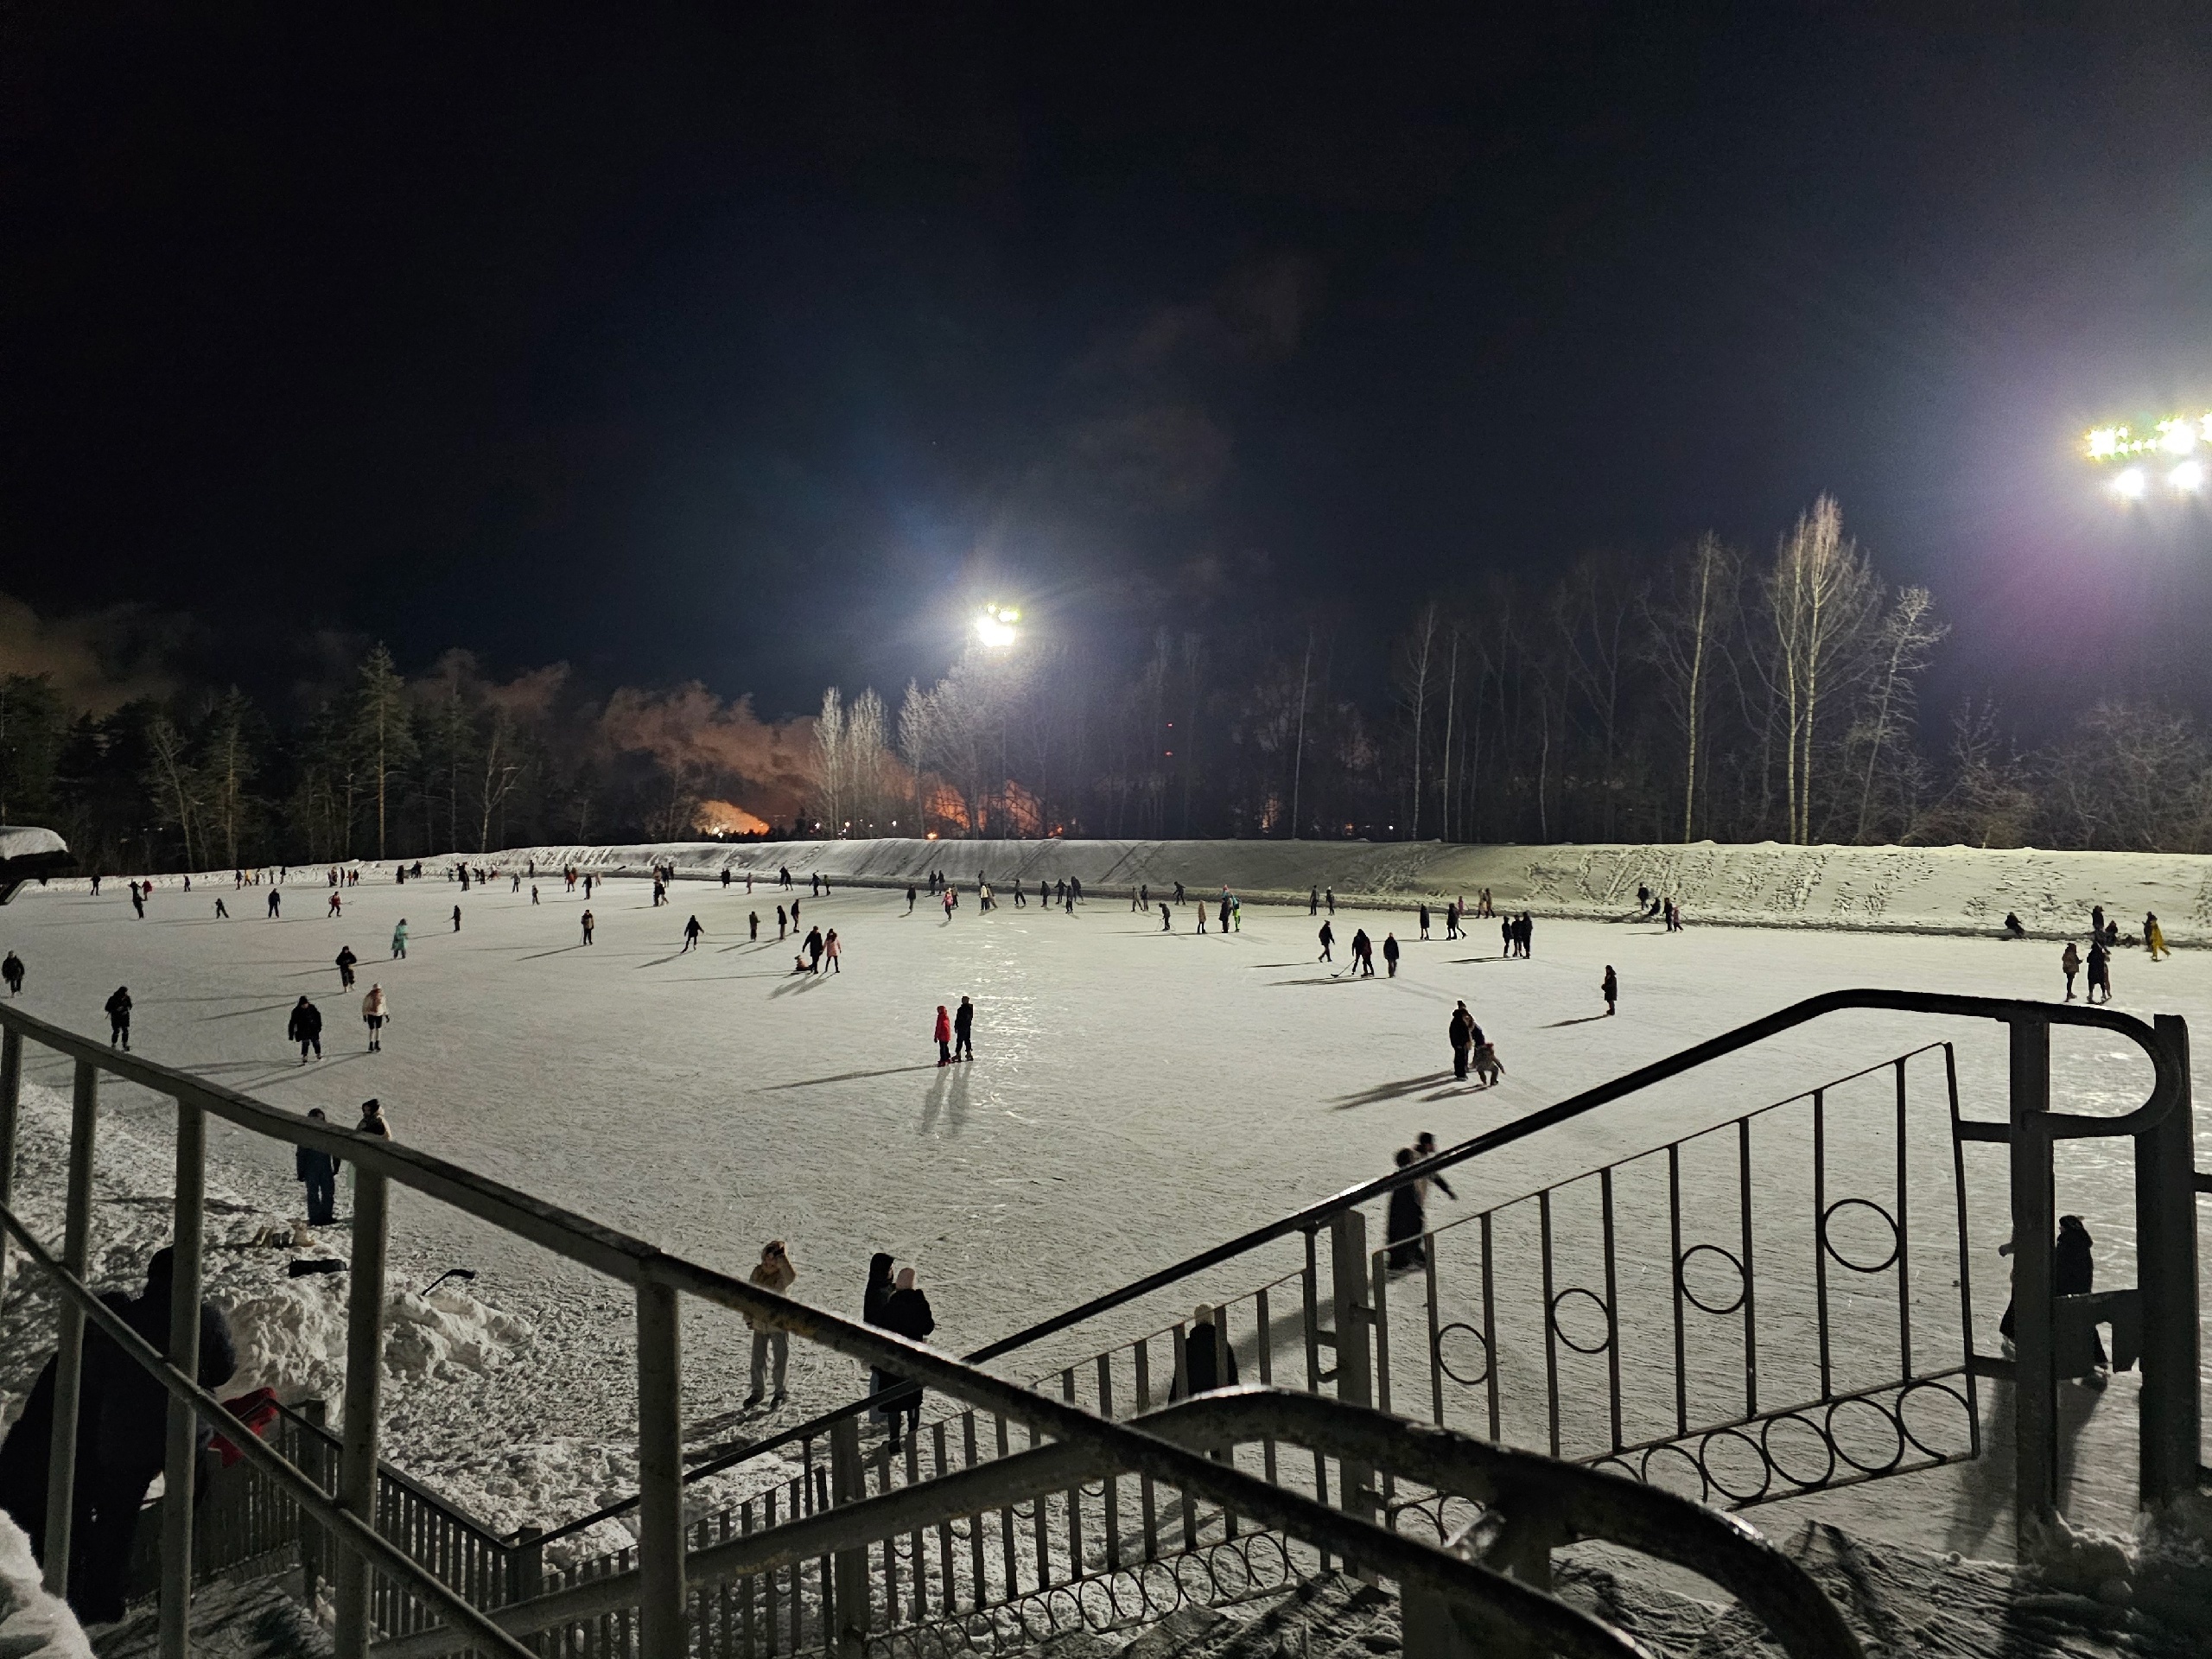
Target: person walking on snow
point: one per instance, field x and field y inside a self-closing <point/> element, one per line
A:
<point x="590" y="921"/>
<point x="276" y="904"/>
<point x="337" y="903"/>
<point x="375" y="1010"/>
<point x="318" y="1172"/>
<point x="814" y="950"/>
<point x="118" y="1018"/>
<point x="1610" y="988"/>
<point x="963" y="1032"/>
<point x="1166" y="918"/>
<point x="1314" y="902"/>
<point x="783" y="921"/>
<point x="346" y="960"/>
<point x="12" y="971"/>
<point x="1424" y="919"/>
<point x="2154" y="936"/>
<point x="138" y="901"/>
<point x="834" y="950"/>
<point x="399" y="941"/>
<point x="1390" y="953"/>
<point x="456" y="919"/>
<point x="2100" y="971"/>
<point x="1209" y="1364"/>
<point x="2070" y="963"/>
<point x="753" y="926"/>
<point x="305" y="1028"/>
<point x="775" y="1273"/>
<point x="1362" y="953"/>
<point x="1328" y="938"/>
<point x="943" y="1033"/>
<point x="691" y="932"/>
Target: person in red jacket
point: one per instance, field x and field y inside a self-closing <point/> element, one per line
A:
<point x="944" y="1036"/>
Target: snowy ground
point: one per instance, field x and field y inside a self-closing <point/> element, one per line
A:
<point x="1137" y="1096"/>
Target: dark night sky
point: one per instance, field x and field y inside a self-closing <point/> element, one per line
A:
<point x="756" y="344"/>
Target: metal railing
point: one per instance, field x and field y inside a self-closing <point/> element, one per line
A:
<point x="1474" y="1595"/>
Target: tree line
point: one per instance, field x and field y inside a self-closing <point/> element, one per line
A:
<point x="1714" y="694"/>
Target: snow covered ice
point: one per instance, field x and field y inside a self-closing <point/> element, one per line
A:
<point x="1137" y="1095"/>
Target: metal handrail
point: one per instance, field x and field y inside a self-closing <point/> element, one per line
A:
<point x="406" y="1482"/>
<point x="2166" y="1092"/>
<point x="1559" y="1502"/>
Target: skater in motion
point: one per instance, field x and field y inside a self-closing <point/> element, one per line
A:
<point x="943" y="1033"/>
<point x="1328" y="938"/>
<point x="1209" y="1362"/>
<point x="2154" y="936"/>
<point x="375" y="1010"/>
<point x="305" y="1028"/>
<point x="2013" y="927"/>
<point x="1362" y="953"/>
<point x="1390" y="953"/>
<point x="774" y="1273"/>
<point x="1405" y="1225"/>
<point x="691" y="932"/>
<point x="963" y="1032"/>
<point x="118" y="1018"/>
<point x="276" y="904"/>
<point x="753" y="926"/>
<point x="456" y="919"/>
<point x="318" y="1172"/>
<point x="2099" y="972"/>
<point x="399" y="941"/>
<point x="2070" y="963"/>
<point x="1610" y="988"/>
<point x="1166" y="919"/>
<point x="12" y="971"/>
<point x="346" y="960"/>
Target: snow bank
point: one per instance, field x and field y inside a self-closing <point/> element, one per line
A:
<point x="291" y="1337"/>
<point x="1912" y="889"/>
<point x="31" y="1621"/>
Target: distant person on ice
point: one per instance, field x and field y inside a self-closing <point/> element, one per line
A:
<point x="1328" y="938"/>
<point x="1610" y="988"/>
<point x="590" y="921"/>
<point x="346" y="960"/>
<point x="774" y="1273"/>
<point x="375" y="1010"/>
<point x="1208" y="1362"/>
<point x="2099" y="972"/>
<point x="318" y="1171"/>
<point x="276" y="904"/>
<point x="2013" y="930"/>
<point x="2154" y="936"/>
<point x="907" y="1312"/>
<point x="1166" y="919"/>
<point x="12" y="971"/>
<point x="691" y="932"/>
<point x="118" y="1018"/>
<point x="2070" y="963"/>
<point x="963" y="1032"/>
<point x="1390" y="953"/>
<point x="752" y="925"/>
<point x="305" y="1028"/>
<point x="943" y="1033"/>
<point x="456" y="919"/>
<point x="399" y="940"/>
<point x="1404" y="1225"/>
<point x="1463" y="1033"/>
<point x="833" y="951"/>
<point x="1363" y="953"/>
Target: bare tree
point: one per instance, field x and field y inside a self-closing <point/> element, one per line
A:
<point x="176" y="784"/>
<point x="1595" y="612"/>
<point x="915" y="742"/>
<point x="1413" y="676"/>
<point x="1821" y="600"/>
<point x="830" y="761"/>
<point x="1904" y="641"/>
<point x="500" y="771"/>
<point x="1687" y="639"/>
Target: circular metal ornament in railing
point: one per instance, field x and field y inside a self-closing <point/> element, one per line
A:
<point x="1444" y="1362"/>
<point x="1682" y="1281"/>
<point x="1886" y="1416"/>
<point x="1603" y="1313"/>
<point x="1796" y="1420"/>
<point x="1897" y="1235"/>
<point x="1958" y="1399"/>
<point x="1723" y="1437"/>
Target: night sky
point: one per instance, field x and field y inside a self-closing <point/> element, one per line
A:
<point x="756" y="344"/>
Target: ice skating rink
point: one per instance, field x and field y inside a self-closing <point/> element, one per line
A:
<point x="1136" y="1095"/>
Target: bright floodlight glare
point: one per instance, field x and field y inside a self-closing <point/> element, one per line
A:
<point x="2104" y="443"/>
<point x="995" y="627"/>
<point x="2131" y="484"/>
<point x="2187" y="477"/>
<point x="2176" y="438"/>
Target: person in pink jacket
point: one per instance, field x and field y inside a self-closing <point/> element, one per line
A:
<point x="944" y="1036"/>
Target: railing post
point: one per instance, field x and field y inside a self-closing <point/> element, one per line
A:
<point x="69" y="1355"/>
<point x="1355" y="1371"/>
<point x="315" y="1464"/>
<point x="2165" y="1252"/>
<point x="527" y="1565"/>
<point x="178" y="1469"/>
<point x="2035" y="1458"/>
<point x="660" y="1474"/>
<point x="848" y="1484"/>
<point x="357" y="1461"/>
<point x="11" y="1094"/>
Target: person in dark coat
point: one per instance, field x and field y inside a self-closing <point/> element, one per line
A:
<point x="122" y="1436"/>
<point x="118" y="1018"/>
<point x="2073" y="1273"/>
<point x="12" y="971"/>
<point x="2100" y="973"/>
<point x="907" y="1312"/>
<point x="305" y="1028"/>
<point x="1363" y="953"/>
<point x="1403" y="1229"/>
<point x="964" y="1031"/>
<point x="1464" y="1034"/>
<point x="1209" y="1362"/>
<point x="346" y="960"/>
<point x="1390" y="953"/>
<point x="1610" y="987"/>
<point x="319" y="1170"/>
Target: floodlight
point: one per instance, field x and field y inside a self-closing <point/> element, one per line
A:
<point x="2187" y="477"/>
<point x="994" y="626"/>
<point x="2131" y="484"/>
<point x="2176" y="438"/>
<point x="2104" y="442"/>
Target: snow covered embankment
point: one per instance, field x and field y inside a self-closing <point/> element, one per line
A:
<point x="1910" y="889"/>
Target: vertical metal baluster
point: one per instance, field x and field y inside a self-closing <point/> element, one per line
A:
<point x="1551" y="1324"/>
<point x="975" y="1526"/>
<point x="1223" y="1336"/>
<point x="1966" y="1270"/>
<point x="357" y="1464"/>
<point x="1751" y="1279"/>
<point x="69" y="1356"/>
<point x="179" y="1468"/>
<point x="768" y="1578"/>
<point x="1435" y="1371"/>
<point x="1006" y="1523"/>
<point x="1075" y="1492"/>
<point x="1110" y="1503"/>
<point x="919" y="1595"/>
<point x="1820" y="1232"/>
<point x="1612" y="1305"/>
<point x="1904" y="1254"/>
<point x="947" y="1602"/>
<point x="1379" y="1272"/>
<point x="1041" y="1523"/>
<point x="1490" y="1330"/>
<point x="748" y="1589"/>
<point x="11" y="1095"/>
<point x="1266" y="1357"/>
<point x="1675" y="1236"/>
<point x="1145" y="1500"/>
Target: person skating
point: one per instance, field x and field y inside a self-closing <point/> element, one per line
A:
<point x="2073" y="1273"/>
<point x="1179" y="894"/>
<point x="118" y="1018"/>
<point x="783" y="923"/>
<point x="2100" y="971"/>
<point x="305" y="1028"/>
<point x="376" y="1008"/>
<point x="1209" y="1364"/>
<point x="691" y="932"/>
<point x="1405" y="1223"/>
<point x="2014" y="929"/>
<point x="1610" y="988"/>
<point x="1329" y="898"/>
<point x="1425" y="1150"/>
<point x="1314" y="902"/>
<point x="399" y="941"/>
<point x="942" y="1032"/>
<point x="1505" y="933"/>
<point x="2154" y="936"/>
<point x="12" y="971"/>
<point x="1166" y="918"/>
<point x="1424" y="919"/>
<point x="336" y="905"/>
<point x="2097" y="922"/>
<point x="1390" y="953"/>
<point x="533" y="892"/>
<point x="138" y="901"/>
<point x="276" y="904"/>
<point x="910" y="899"/>
<point x="833" y="951"/>
<point x="1362" y="953"/>
<point x="907" y="1312"/>
<point x="222" y="911"/>
<point x="1202" y="919"/>
<point x="373" y="1122"/>
<point x="725" y="878"/>
<point x="345" y="959"/>
<point x="318" y="1171"/>
<point x="753" y="926"/>
<point x="1463" y="1034"/>
<point x="813" y="950"/>
<point x="2070" y="963"/>
<point x="1225" y="913"/>
<point x="774" y="1273"/>
<point x="964" y="1031"/>
<point x="456" y="919"/>
<point x="1328" y="938"/>
<point x="590" y="921"/>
